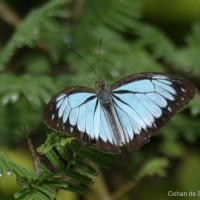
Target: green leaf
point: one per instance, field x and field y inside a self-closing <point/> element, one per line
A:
<point x="46" y="191"/>
<point x="5" y="165"/>
<point x="64" y="152"/>
<point x="70" y="157"/>
<point x="27" y="194"/>
<point x="85" y="167"/>
<point x="35" y="89"/>
<point x="155" y="166"/>
<point x="54" y="140"/>
<point x="157" y="41"/>
<point x="80" y="177"/>
<point x="103" y="159"/>
<point x="22" y="194"/>
<point x="69" y="187"/>
<point x="29" y="32"/>
<point x="54" y="159"/>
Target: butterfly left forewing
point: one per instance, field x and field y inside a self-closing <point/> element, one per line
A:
<point x="77" y="111"/>
<point x="146" y="102"/>
<point x="66" y="112"/>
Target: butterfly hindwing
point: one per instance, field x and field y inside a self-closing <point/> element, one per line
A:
<point x="146" y="102"/>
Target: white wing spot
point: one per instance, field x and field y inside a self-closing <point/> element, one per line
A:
<point x="52" y="117"/>
<point x="183" y="90"/>
<point x="71" y="129"/>
<point x="182" y="98"/>
<point x="169" y="109"/>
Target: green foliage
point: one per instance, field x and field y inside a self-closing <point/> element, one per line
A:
<point x="21" y="96"/>
<point x="33" y="185"/>
<point x="74" y="152"/>
<point x="35" y="63"/>
<point x="72" y="161"/>
<point x="31" y="30"/>
<point x="155" y="166"/>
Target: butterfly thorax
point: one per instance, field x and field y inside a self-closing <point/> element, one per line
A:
<point x="104" y="93"/>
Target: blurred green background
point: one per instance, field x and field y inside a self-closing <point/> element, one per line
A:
<point x="138" y="36"/>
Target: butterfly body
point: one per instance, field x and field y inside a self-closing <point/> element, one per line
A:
<point x="104" y="93"/>
<point x="126" y="114"/>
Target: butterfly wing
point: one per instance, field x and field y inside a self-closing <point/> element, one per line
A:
<point x="142" y="105"/>
<point x="145" y="102"/>
<point x="77" y="111"/>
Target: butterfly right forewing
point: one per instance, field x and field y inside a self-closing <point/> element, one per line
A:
<point x="146" y="102"/>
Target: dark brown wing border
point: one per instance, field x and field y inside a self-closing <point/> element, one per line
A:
<point x="182" y="99"/>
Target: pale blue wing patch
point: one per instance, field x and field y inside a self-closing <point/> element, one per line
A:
<point x="61" y="106"/>
<point x="78" y="112"/>
<point x="97" y="116"/>
<point x="90" y="110"/>
<point x="106" y="132"/>
<point x="163" y="80"/>
<point x="164" y="86"/>
<point x="73" y="116"/>
<point x="137" y="86"/>
<point x="77" y="99"/>
<point x="139" y="103"/>
<point x="153" y="108"/>
<point x="66" y="112"/>
<point x="158" y="99"/>
<point x="139" y="113"/>
<point x="81" y="125"/>
<point x="164" y="93"/>
<point x="88" y="116"/>
<point x="128" y="131"/>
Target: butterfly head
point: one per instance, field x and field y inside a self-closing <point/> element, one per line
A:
<point x="100" y="85"/>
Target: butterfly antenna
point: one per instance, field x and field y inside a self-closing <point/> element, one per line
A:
<point x="100" y="45"/>
<point x="84" y="61"/>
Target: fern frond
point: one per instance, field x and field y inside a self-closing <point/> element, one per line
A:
<point x="120" y="55"/>
<point x="157" y="42"/>
<point x="124" y="15"/>
<point x="35" y="89"/>
<point x="187" y="58"/>
<point x="102" y="159"/>
<point x="154" y="166"/>
<point x="73" y="158"/>
<point x="42" y="185"/>
<point x="55" y="161"/>
<point x="53" y="140"/>
<point x="83" y="166"/>
<point x="5" y="166"/>
<point x="30" y="30"/>
<point x="84" y="179"/>
<point x="44" y="193"/>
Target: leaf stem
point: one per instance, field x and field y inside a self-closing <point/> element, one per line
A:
<point x="36" y="159"/>
<point x="9" y="15"/>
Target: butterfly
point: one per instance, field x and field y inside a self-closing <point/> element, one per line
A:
<point x="125" y="114"/>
